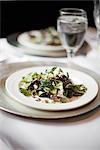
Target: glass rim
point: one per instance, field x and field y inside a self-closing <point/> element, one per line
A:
<point x="66" y="11"/>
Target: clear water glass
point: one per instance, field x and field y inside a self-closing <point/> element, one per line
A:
<point x="97" y="19"/>
<point x="72" y="25"/>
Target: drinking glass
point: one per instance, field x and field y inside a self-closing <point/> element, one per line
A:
<point x="72" y="25"/>
<point x="97" y="19"/>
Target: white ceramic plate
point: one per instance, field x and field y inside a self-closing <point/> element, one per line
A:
<point x="24" y="40"/>
<point x="77" y="77"/>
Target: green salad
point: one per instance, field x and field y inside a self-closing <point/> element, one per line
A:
<point x="52" y="86"/>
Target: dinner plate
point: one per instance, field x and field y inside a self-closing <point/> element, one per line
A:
<point x="24" y="40"/>
<point x="78" y="77"/>
<point x="13" y="41"/>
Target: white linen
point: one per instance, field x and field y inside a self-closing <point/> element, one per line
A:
<point x="18" y="133"/>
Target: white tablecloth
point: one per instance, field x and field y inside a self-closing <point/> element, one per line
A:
<point x="82" y="133"/>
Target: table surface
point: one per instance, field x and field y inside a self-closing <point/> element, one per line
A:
<point x="78" y="133"/>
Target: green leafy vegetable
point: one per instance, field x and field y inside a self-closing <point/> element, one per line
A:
<point x="25" y="92"/>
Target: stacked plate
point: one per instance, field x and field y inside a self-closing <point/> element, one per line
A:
<point x="11" y="100"/>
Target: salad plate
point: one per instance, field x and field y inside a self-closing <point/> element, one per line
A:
<point x="44" y="40"/>
<point x="78" y="77"/>
<point x="24" y="40"/>
<point x="13" y="42"/>
<point x="8" y="104"/>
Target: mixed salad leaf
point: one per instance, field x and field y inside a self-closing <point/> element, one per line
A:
<point x="51" y="86"/>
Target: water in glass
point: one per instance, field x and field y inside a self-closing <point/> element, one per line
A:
<point x="72" y="28"/>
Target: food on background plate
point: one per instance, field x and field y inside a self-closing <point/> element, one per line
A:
<point x="52" y="86"/>
<point x="48" y="36"/>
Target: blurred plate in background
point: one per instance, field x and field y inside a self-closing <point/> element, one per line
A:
<point x="21" y="40"/>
